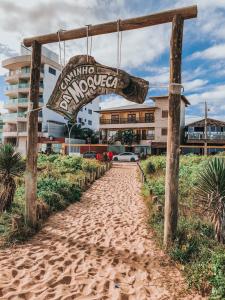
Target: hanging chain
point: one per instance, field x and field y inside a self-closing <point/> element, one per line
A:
<point x="119" y="45"/>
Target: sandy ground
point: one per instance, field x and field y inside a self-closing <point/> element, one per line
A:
<point x="99" y="248"/>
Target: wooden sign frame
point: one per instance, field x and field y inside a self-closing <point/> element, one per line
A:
<point x="177" y="17"/>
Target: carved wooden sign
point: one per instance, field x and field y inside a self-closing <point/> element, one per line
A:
<point x="82" y="81"/>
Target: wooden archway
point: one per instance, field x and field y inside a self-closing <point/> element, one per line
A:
<point x="177" y="17"/>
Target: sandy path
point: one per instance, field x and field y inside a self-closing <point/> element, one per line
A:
<point x="99" y="248"/>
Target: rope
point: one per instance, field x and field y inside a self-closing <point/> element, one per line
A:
<point x="36" y="109"/>
<point x="119" y="45"/>
<point x="62" y="62"/>
<point x="172" y="87"/>
<point x="87" y="42"/>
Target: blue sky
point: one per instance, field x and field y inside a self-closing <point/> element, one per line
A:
<point x="145" y="52"/>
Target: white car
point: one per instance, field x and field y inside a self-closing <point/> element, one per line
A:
<point x="126" y="156"/>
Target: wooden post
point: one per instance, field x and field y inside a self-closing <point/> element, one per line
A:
<point x="31" y="164"/>
<point x="173" y="137"/>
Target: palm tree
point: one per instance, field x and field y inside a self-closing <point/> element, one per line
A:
<point x="211" y="192"/>
<point x="11" y="165"/>
<point x="128" y="136"/>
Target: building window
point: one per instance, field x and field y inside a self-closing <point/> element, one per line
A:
<point x="39" y="127"/>
<point x="79" y="120"/>
<point x="115" y="119"/>
<point x="164" y="131"/>
<point x="89" y="122"/>
<point x="90" y="111"/>
<point x="25" y="69"/>
<point x="164" y="113"/>
<point x="81" y="109"/>
<point x="131" y="118"/>
<point x="191" y="129"/>
<point x="52" y="71"/>
<point x="149" y="117"/>
<point x="40" y="114"/>
<point x="151" y="134"/>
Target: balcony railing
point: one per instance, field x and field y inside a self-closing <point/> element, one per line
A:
<point x="148" y="137"/>
<point x="20" y="101"/>
<point x="16" y="101"/>
<point x="10" y="129"/>
<point x="126" y="121"/>
<point x="13" y="87"/>
<point x="14" y="116"/>
<point x="20" y="72"/>
<point x="209" y="136"/>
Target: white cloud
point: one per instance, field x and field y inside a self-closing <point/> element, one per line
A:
<point x="159" y="76"/>
<point x="139" y="47"/>
<point x="114" y="101"/>
<point x="215" y="96"/>
<point x="214" y="52"/>
<point x="194" y="85"/>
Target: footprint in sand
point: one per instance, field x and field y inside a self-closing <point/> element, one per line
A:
<point x="84" y="251"/>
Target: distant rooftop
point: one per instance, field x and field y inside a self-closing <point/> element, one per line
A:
<point x="166" y="97"/>
<point x="210" y="121"/>
<point x="128" y="107"/>
<point x="44" y="51"/>
<point x="24" y="59"/>
<point x="142" y="106"/>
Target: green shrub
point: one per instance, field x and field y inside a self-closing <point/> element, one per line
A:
<point x="54" y="200"/>
<point x="195" y="246"/>
<point x="14" y="229"/>
<point x="43" y="158"/>
<point x="58" y="178"/>
<point x="90" y="165"/>
<point x="149" y="168"/>
<point x="58" y="193"/>
<point x="218" y="276"/>
<point x="198" y="274"/>
<point x="68" y="164"/>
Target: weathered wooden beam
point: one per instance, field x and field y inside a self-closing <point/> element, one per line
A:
<point x="128" y="24"/>
<point x="32" y="141"/>
<point x="173" y="137"/>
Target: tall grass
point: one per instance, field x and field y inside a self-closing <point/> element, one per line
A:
<point x="195" y="246"/>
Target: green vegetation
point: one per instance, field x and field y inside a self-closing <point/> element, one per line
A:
<point x="211" y="192"/>
<point x="11" y="166"/>
<point x="58" y="178"/>
<point x="195" y="247"/>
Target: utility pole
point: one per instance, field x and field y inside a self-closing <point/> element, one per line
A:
<point x="205" y="129"/>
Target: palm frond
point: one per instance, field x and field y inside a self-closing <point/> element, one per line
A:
<point x="11" y="162"/>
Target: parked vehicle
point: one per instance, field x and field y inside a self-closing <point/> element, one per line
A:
<point x="90" y="154"/>
<point x="126" y="156"/>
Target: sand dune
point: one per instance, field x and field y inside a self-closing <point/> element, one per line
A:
<point x="99" y="248"/>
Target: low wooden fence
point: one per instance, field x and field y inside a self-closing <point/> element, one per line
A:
<point x="90" y="177"/>
<point x="141" y="172"/>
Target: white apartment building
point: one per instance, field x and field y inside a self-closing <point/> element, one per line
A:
<point x="88" y="116"/>
<point x="50" y="124"/>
